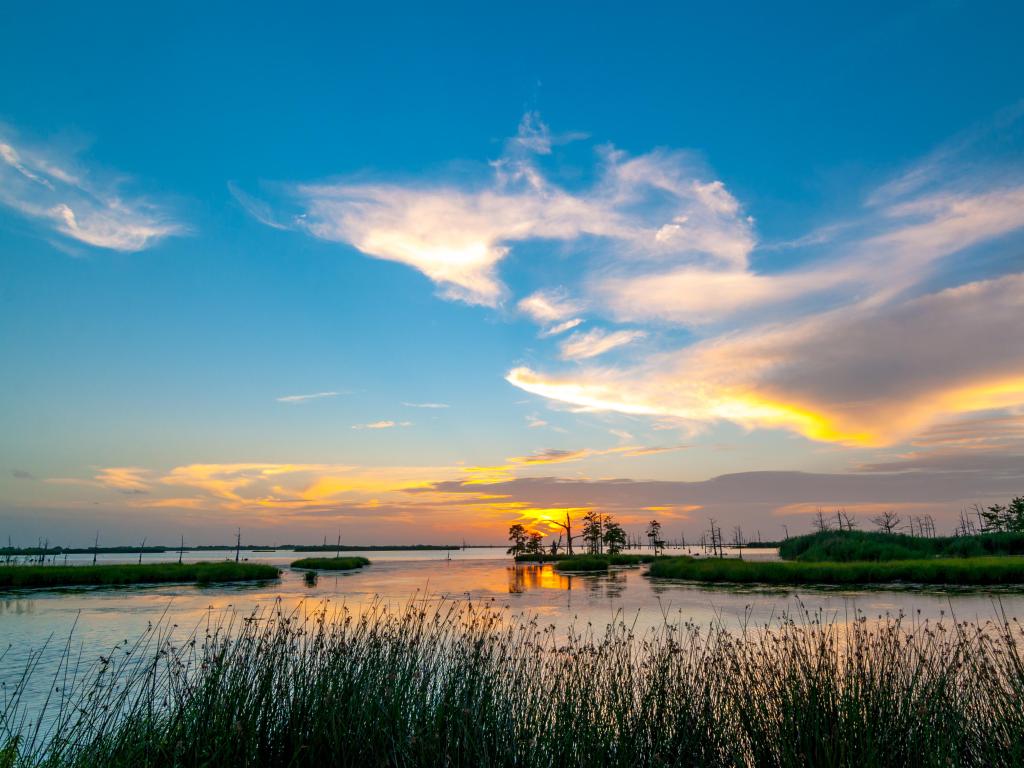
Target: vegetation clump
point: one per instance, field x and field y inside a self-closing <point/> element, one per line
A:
<point x="461" y="686"/>
<point x="25" y="576"/>
<point x="847" y="546"/>
<point x="331" y="563"/>
<point x="974" y="571"/>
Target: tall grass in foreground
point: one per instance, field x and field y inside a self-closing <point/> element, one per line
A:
<point x="457" y="685"/>
<point x="949" y="571"/>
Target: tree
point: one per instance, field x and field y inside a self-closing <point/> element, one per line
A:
<point x="535" y="543"/>
<point x="517" y="535"/>
<point x="567" y="527"/>
<point x="1016" y="513"/>
<point x="887" y="521"/>
<point x="821" y="523"/>
<point x="738" y="539"/>
<point x="1005" y="517"/>
<point x="593" y="531"/>
<point x="654" y="536"/>
<point x="614" y="537"/>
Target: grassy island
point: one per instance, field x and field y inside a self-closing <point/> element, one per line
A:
<point x="950" y="571"/>
<point x="27" y="576"/>
<point x="848" y="546"/>
<point x="331" y="563"/>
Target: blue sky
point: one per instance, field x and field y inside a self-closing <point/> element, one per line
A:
<point x="667" y="245"/>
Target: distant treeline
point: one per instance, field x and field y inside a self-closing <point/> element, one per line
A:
<point x="39" y="551"/>
<point x="370" y="547"/>
<point x="849" y="546"/>
<point x="127" y="550"/>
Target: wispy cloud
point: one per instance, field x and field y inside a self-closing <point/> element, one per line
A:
<point x="874" y="332"/>
<point x="125" y="479"/>
<point x="426" y="405"/>
<point x="382" y="425"/>
<point x="549" y="306"/>
<point x="568" y="325"/>
<point x="560" y="456"/>
<point x="304" y="398"/>
<point x="652" y="206"/>
<point x="43" y="187"/>
<point x="582" y="346"/>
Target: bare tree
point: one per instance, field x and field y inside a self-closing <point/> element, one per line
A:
<point x="738" y="540"/>
<point x="567" y="527"/>
<point x="821" y="523"/>
<point x="887" y="521"/>
<point x="846" y="520"/>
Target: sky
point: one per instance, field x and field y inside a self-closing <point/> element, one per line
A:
<point x="412" y="274"/>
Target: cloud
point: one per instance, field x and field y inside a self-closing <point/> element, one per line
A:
<point x="653" y="206"/>
<point x="560" y="456"/>
<point x="125" y="479"/>
<point x="382" y="425"/>
<point x="750" y="498"/>
<point x="426" y="405"/>
<point x="304" y="398"/>
<point x="568" y="325"/>
<point x="21" y="474"/>
<point x="548" y="306"/>
<point x="582" y="346"/>
<point x="859" y="375"/>
<point x="76" y="204"/>
<point x="870" y="335"/>
<point x="911" y="237"/>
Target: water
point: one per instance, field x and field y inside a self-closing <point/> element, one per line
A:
<point x="103" y="617"/>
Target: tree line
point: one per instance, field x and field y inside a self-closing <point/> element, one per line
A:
<point x="599" y="533"/>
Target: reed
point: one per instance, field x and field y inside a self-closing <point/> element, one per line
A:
<point x="458" y="685"/>
<point x="26" y="576"/>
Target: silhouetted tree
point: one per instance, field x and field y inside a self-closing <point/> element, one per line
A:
<point x="654" y="536"/>
<point x="821" y="523"/>
<point x="593" y="531"/>
<point x="534" y="543"/>
<point x="614" y="537"/>
<point x="887" y="521"/>
<point x="517" y="535"/>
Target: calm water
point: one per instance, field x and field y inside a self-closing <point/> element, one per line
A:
<point x="101" y="618"/>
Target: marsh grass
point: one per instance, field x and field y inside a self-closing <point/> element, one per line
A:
<point x="458" y="685"/>
<point x="331" y="563"/>
<point x="976" y="571"/>
<point x="846" y="546"/>
<point x="25" y="576"/>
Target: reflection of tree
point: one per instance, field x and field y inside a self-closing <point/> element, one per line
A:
<point x="608" y="585"/>
<point x="522" y="578"/>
